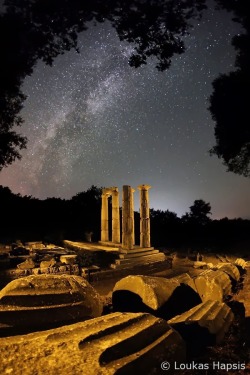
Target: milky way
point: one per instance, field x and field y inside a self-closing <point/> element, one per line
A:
<point x="91" y="119"/>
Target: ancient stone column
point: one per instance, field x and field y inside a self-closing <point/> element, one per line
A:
<point x="132" y="197"/>
<point x="144" y="216"/>
<point x="115" y="216"/>
<point x="127" y="218"/>
<point x="105" y="216"/>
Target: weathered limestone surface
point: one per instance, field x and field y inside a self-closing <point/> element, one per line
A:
<point x="113" y="344"/>
<point x="28" y="264"/>
<point x="213" y="285"/>
<point x="127" y="218"/>
<point x="240" y="263"/>
<point x="106" y="193"/>
<point x="204" y="265"/>
<point x="45" y="300"/>
<point x="230" y="269"/>
<point x="244" y="293"/>
<point x="68" y="259"/>
<point x="185" y="279"/>
<point x="205" y="324"/>
<point x="144" y="216"/>
<point x="104" y="216"/>
<point x="48" y="263"/>
<point x="115" y="216"/>
<point x="157" y="295"/>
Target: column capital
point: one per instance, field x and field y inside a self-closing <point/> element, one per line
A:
<point x="106" y="192"/>
<point x="144" y="187"/>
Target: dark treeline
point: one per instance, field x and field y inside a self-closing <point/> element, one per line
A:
<point x="54" y="219"/>
<point x="50" y="220"/>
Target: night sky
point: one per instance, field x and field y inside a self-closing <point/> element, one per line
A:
<point x="91" y="119"/>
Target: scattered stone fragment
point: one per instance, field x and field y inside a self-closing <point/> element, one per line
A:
<point x="68" y="259"/>
<point x="199" y="264"/>
<point x="27" y="264"/>
<point x="159" y="296"/>
<point x="205" y="324"/>
<point x="48" y="263"/>
<point x="213" y="285"/>
<point x="118" y="343"/>
<point x="41" y="301"/>
<point x="210" y="266"/>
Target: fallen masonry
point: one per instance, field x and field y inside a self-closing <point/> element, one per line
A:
<point x="185" y="279"/>
<point x="241" y="264"/>
<point x="119" y="343"/>
<point x="122" y="342"/>
<point x="230" y="269"/>
<point x="205" y="324"/>
<point x="232" y="272"/>
<point x="44" y="301"/>
<point x="162" y="297"/>
<point x="213" y="285"/>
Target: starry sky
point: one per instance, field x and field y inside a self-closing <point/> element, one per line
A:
<point x="91" y="119"/>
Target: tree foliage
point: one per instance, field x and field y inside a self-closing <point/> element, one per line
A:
<point x="229" y="106"/>
<point x="35" y="30"/>
<point x="229" y="102"/>
<point x="199" y="212"/>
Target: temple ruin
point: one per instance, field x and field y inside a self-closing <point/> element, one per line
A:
<point x="124" y="238"/>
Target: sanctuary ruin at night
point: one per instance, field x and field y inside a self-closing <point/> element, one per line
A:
<point x="129" y="252"/>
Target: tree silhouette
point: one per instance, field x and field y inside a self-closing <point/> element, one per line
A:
<point x="43" y="29"/>
<point x="229" y="103"/>
<point x="199" y="212"/>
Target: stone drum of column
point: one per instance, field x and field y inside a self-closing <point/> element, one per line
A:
<point x="144" y="216"/>
<point x="127" y="218"/>
<point x="105" y="216"/>
<point x="115" y="216"/>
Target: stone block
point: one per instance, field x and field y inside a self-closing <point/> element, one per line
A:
<point x="48" y="263"/>
<point x="156" y="295"/>
<point x="41" y="301"/>
<point x="213" y="285"/>
<point x="68" y="259"/>
<point x="27" y="264"/>
<point x="199" y="264"/>
<point x="117" y="343"/>
<point x="205" y="324"/>
<point x="230" y="269"/>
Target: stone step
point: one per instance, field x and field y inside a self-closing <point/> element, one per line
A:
<point x="205" y="324"/>
<point x="138" y="254"/>
<point x="141" y="260"/>
<point x="136" y="249"/>
<point x="46" y="301"/>
<point x="156" y="295"/>
<point x="113" y="344"/>
<point x="213" y="285"/>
